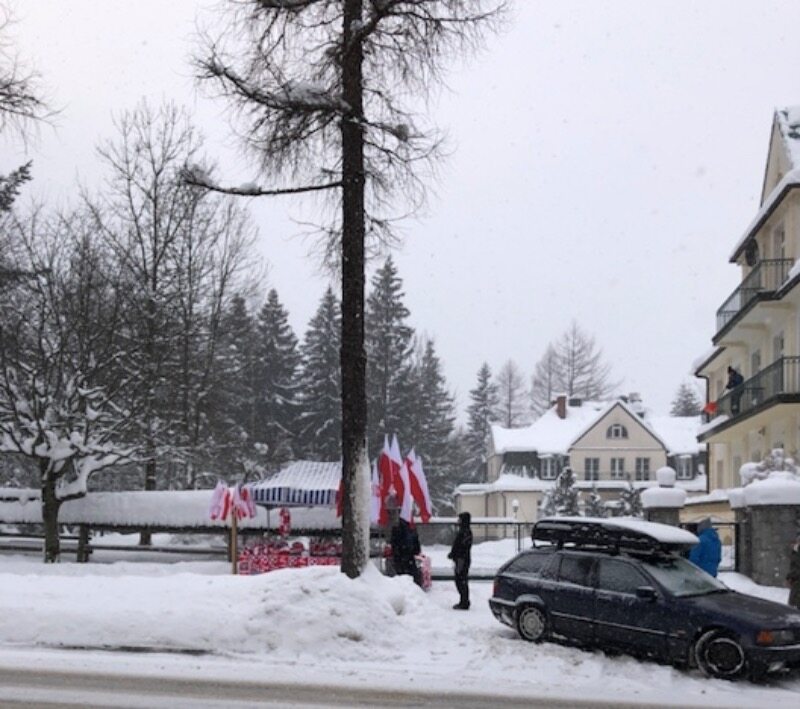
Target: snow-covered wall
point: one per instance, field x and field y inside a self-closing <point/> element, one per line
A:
<point x="188" y="508"/>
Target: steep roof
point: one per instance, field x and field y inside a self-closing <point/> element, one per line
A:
<point x="554" y="435"/>
<point x="787" y="121"/>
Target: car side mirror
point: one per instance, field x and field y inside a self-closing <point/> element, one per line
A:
<point x="647" y="593"/>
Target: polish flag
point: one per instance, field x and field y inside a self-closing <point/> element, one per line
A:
<point x="404" y="485"/>
<point x="389" y="478"/>
<point x="419" y="485"/>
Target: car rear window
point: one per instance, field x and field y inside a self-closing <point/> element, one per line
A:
<point x="530" y="563"/>
<point x="575" y="569"/>
<point x="619" y="577"/>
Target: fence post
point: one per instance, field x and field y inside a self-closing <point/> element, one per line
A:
<point x="84" y="535"/>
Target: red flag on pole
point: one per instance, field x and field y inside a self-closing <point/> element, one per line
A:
<point x="419" y="485"/>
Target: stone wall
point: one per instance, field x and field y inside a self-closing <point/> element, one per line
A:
<point x="768" y="533"/>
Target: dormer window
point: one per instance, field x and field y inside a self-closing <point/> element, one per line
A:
<point x="616" y="430"/>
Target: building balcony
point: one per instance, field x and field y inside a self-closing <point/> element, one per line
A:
<point x="766" y="277"/>
<point x="777" y="383"/>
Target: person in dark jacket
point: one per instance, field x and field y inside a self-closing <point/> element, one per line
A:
<point x="735" y="381"/>
<point x="708" y="553"/>
<point x="405" y="547"/>
<point x="793" y="577"/>
<point x="461" y="554"/>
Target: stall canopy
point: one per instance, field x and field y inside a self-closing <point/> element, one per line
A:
<point x="302" y="483"/>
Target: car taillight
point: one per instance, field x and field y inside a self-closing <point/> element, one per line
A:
<point x="494" y="587"/>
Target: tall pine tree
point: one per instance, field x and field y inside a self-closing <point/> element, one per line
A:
<point x="686" y="402"/>
<point x="277" y="366"/>
<point x="389" y="348"/>
<point x="483" y="403"/>
<point x="320" y="419"/>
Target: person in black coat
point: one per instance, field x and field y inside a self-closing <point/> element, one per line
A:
<point x="735" y="381"/>
<point x="461" y="554"/>
<point x="405" y="547"/>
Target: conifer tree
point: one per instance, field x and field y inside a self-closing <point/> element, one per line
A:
<point x="320" y="419"/>
<point x="428" y="423"/>
<point x="483" y="402"/>
<point x="631" y="499"/>
<point x="594" y="507"/>
<point x="277" y="365"/>
<point x="686" y="402"/>
<point x="389" y="348"/>
<point x="564" y="497"/>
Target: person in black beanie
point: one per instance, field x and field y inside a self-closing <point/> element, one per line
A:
<point x="460" y="553"/>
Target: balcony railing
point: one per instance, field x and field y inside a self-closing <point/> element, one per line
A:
<point x="767" y="276"/>
<point x="779" y="378"/>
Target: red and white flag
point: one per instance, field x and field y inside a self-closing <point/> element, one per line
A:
<point x="388" y="471"/>
<point x="419" y="485"/>
<point x="404" y="484"/>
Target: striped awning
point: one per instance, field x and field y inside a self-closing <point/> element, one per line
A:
<point x="302" y="483"/>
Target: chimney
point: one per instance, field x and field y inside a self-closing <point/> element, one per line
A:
<point x="561" y="406"/>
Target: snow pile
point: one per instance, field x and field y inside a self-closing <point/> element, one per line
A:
<point x="658" y="497"/>
<point x="314" y="625"/>
<point x="780" y="488"/>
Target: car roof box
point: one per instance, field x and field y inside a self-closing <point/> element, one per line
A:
<point x="612" y="534"/>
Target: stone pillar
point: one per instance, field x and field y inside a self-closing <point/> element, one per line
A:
<point x="770" y="523"/>
<point x="663" y="503"/>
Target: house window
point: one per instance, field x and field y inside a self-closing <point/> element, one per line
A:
<point x="618" y="468"/>
<point x="547" y="470"/>
<point x="683" y="467"/>
<point x="643" y="468"/>
<point x="591" y="469"/>
<point x="617" y="430"/>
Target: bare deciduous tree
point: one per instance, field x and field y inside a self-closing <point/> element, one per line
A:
<point x="572" y="365"/>
<point x="317" y="88"/>
<point x="511" y="396"/>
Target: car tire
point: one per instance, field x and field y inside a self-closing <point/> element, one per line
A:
<point x="531" y="623"/>
<point x="719" y="653"/>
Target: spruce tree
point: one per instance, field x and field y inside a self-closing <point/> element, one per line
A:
<point x="686" y="402"/>
<point x="594" y="507"/>
<point x="631" y="499"/>
<point x="429" y="422"/>
<point x="320" y="419"/>
<point x="277" y="365"/>
<point x="389" y="348"/>
<point x="483" y="402"/>
<point x="565" y="498"/>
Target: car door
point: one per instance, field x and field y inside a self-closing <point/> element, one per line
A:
<point x="572" y="601"/>
<point x="623" y="619"/>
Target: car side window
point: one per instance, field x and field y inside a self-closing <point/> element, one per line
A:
<point x="619" y="576"/>
<point x="528" y="564"/>
<point x="576" y="569"/>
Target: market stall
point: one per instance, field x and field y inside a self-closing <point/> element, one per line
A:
<point x="301" y="484"/>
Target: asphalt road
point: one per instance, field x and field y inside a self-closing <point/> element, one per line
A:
<point x="43" y="688"/>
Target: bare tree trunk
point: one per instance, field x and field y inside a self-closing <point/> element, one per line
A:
<point x="50" y="507"/>
<point x="355" y="530"/>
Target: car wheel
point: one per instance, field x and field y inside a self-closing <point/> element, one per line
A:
<point x="531" y="623"/>
<point x="719" y="654"/>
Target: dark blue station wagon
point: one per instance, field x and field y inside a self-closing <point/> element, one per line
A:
<point x="623" y="585"/>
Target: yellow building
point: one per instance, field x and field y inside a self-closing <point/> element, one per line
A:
<point x="758" y="326"/>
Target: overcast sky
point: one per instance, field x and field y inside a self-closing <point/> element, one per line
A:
<point x="607" y="156"/>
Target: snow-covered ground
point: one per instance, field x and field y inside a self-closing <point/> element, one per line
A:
<point x="314" y="625"/>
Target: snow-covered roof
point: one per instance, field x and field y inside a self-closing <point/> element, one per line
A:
<point x="705" y="358"/>
<point x="517" y="483"/>
<point x="549" y="433"/>
<point x="552" y="434"/>
<point x="184" y="508"/>
<point x="788" y="122"/>
<point x="301" y="482"/>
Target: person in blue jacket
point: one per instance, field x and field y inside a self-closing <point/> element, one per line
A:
<point x="708" y="553"/>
